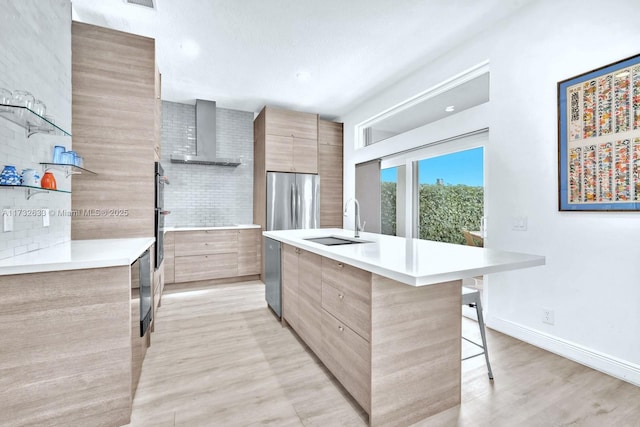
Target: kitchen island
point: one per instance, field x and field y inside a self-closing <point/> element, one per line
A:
<point x="384" y="314"/>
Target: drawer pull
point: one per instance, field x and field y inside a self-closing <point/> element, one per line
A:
<point x="340" y="328"/>
<point x="341" y="297"/>
<point x="340" y="265"/>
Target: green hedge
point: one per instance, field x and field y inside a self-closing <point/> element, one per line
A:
<point x="444" y="210"/>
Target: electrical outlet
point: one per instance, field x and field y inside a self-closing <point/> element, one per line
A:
<point x="7" y="220"/>
<point x="45" y="217"/>
<point x="548" y="316"/>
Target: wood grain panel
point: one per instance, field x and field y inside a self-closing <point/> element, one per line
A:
<point x="249" y="251"/>
<point x="330" y="133"/>
<point x="279" y="153"/>
<point x="305" y="155"/>
<point x="169" y="260"/>
<point x="291" y="123"/>
<point x="65" y="355"/>
<point x="352" y="308"/>
<point x="114" y="126"/>
<point x="290" y="285"/>
<point x="259" y="180"/>
<point x="348" y="357"/>
<point x="310" y="299"/>
<point x="205" y="242"/>
<point x="205" y="267"/>
<point x="346" y="277"/>
<point x="331" y="186"/>
<point x="415" y="350"/>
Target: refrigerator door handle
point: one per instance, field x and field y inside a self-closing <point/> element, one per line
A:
<point x="298" y="208"/>
<point x="292" y="202"/>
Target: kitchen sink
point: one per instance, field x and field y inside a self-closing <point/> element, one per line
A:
<point x="335" y="241"/>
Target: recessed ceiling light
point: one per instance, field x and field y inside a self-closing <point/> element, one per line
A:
<point x="303" y="76"/>
<point x="450" y="108"/>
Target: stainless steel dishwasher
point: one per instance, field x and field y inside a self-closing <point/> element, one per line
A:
<point x="273" y="275"/>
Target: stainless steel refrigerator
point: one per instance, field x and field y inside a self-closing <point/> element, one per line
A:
<point x="293" y="201"/>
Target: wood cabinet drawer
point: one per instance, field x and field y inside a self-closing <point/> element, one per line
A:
<point x="348" y="357"/>
<point x="352" y="308"/>
<point x="206" y="242"/>
<point x="347" y="277"/>
<point x="205" y="267"/>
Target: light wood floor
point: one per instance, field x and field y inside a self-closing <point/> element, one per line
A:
<point x="220" y="358"/>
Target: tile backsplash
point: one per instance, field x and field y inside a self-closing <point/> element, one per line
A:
<point x="207" y="195"/>
<point x="35" y="55"/>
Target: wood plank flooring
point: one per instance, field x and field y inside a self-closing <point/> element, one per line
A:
<point x="218" y="357"/>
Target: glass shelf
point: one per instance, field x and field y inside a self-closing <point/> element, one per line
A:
<point x="30" y="121"/>
<point x="69" y="169"/>
<point x="31" y="191"/>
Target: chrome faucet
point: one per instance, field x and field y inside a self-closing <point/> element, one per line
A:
<point x="357" y="225"/>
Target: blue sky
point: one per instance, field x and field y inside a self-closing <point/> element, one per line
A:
<point x="464" y="167"/>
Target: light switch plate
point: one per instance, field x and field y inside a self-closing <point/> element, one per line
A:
<point x="519" y="223"/>
<point x="7" y="220"/>
<point x="45" y="217"/>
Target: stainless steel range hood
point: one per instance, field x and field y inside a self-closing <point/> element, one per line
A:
<point x="205" y="139"/>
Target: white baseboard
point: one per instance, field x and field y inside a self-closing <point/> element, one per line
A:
<point x="622" y="369"/>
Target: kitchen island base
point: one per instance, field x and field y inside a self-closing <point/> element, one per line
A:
<point x="395" y="348"/>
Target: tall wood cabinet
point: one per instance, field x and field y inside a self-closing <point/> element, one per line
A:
<point x="115" y="89"/>
<point x="330" y="164"/>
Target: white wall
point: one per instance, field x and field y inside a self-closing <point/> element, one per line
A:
<point x="35" y="55"/>
<point x="592" y="276"/>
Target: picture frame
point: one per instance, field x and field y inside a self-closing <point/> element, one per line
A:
<point x="599" y="139"/>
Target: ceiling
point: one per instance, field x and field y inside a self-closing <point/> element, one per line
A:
<point x="246" y="54"/>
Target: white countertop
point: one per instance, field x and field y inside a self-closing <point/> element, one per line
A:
<point x="226" y="227"/>
<point x="77" y="255"/>
<point x="411" y="261"/>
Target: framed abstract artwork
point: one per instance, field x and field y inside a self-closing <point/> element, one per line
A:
<point x="599" y="139"/>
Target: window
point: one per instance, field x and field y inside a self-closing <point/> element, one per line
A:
<point x="451" y="195"/>
<point x="435" y="192"/>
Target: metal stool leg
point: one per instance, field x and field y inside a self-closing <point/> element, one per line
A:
<point x="482" y="333"/>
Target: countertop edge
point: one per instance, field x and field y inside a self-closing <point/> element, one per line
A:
<point x="403" y="277"/>
<point x="132" y="248"/>
<point x="229" y="227"/>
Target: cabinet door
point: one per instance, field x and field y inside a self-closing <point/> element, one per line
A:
<point x="279" y="153"/>
<point x="291" y="123"/>
<point x="305" y="155"/>
<point x="206" y="267"/>
<point x="205" y="242"/>
<point x="309" y="299"/>
<point x="169" y="265"/>
<point x="330" y="171"/>
<point x="290" y="285"/>
<point x="348" y="356"/>
<point x="330" y="133"/>
<point x="249" y="252"/>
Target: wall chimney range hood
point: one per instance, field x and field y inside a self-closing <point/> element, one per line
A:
<point x="205" y="139"/>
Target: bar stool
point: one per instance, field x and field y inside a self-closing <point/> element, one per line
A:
<point x="471" y="297"/>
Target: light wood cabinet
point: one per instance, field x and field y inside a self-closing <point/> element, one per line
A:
<point x="290" y="285"/>
<point x="211" y="254"/>
<point x="330" y="165"/>
<point x="288" y="139"/>
<point x="309" y="299"/>
<point x="116" y="129"/>
<point x="169" y="255"/>
<point x="378" y="337"/>
<point x="348" y="357"/>
<point x="249" y="251"/>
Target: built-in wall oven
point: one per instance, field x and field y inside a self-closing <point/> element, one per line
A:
<point x="161" y="181"/>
